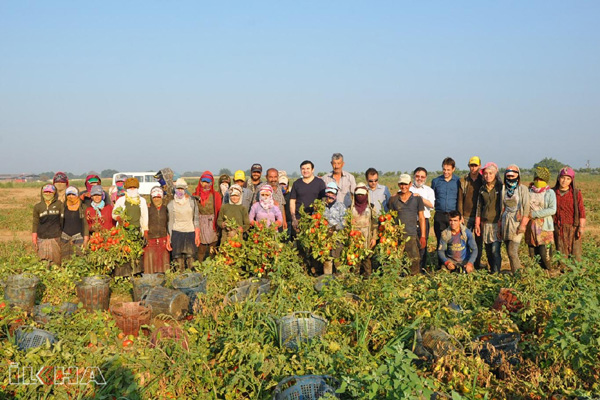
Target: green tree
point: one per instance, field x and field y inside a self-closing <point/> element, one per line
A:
<point x="108" y="173"/>
<point x="550" y="163"/>
<point x="225" y="171"/>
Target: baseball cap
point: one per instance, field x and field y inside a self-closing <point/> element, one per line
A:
<point x="239" y="175"/>
<point x="256" y="168"/>
<point x="96" y="190"/>
<point x="156" y="192"/>
<point x="49" y="189"/>
<point x="332" y="187"/>
<point x="72" y="190"/>
<point x="404" y="178"/>
<point x="474" y="160"/>
<point x="284" y="180"/>
<point x="361" y="188"/>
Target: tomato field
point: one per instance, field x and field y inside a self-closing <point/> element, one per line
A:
<point x="391" y="336"/>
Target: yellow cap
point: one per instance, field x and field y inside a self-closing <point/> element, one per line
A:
<point x="239" y="175"/>
<point x="474" y="160"/>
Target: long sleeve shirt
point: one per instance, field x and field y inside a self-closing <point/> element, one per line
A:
<point x="335" y="214"/>
<point x="459" y="248"/>
<point x="346" y="186"/>
<point x="379" y="198"/>
<point x="446" y="193"/>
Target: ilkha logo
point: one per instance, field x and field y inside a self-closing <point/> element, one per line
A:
<point x="51" y="375"/>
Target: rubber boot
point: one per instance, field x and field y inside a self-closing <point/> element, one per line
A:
<point x="180" y="264"/>
<point x="327" y="268"/>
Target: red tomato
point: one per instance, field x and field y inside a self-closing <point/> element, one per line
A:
<point x="127" y="343"/>
<point x="381" y="218"/>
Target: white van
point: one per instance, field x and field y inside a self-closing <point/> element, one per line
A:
<point x="146" y="179"/>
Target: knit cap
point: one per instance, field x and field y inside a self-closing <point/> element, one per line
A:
<point x="542" y="173"/>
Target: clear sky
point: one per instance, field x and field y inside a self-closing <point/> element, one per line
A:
<point x="194" y="85"/>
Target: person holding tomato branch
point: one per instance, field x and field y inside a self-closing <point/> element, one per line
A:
<point x="410" y="210"/>
<point x="99" y="214"/>
<point x="364" y="223"/>
<point x="457" y="249"/>
<point x="334" y="214"/>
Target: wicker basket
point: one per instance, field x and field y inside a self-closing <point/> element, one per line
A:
<point x="300" y="326"/>
<point x="508" y="299"/>
<point x="169" y="334"/>
<point x="146" y="282"/>
<point x="130" y="317"/>
<point x="307" y="387"/>
<point x="440" y="343"/>
<point x="19" y="290"/>
<point x="190" y="284"/>
<point x="94" y="292"/>
<point x="249" y="289"/>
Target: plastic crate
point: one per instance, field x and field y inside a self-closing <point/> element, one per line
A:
<point x="35" y="338"/>
<point x="300" y="326"/>
<point x="307" y="387"/>
<point x="493" y="347"/>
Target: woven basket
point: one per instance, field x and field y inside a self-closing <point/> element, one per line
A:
<point x="131" y="316"/>
<point x="169" y="334"/>
<point x="19" y="290"/>
<point x="300" y="326"/>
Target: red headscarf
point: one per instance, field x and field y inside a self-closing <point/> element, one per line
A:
<point x="205" y="194"/>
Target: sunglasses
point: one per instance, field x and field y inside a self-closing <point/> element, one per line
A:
<point x="373" y="180"/>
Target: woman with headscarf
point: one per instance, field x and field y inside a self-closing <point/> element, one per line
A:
<point x="266" y="210"/>
<point x="569" y="219"/>
<point x="184" y="226"/>
<point x="515" y="214"/>
<point x="75" y="232"/>
<point x="131" y="211"/>
<point x="234" y="210"/>
<point x="539" y="234"/>
<point x="47" y="216"/>
<point x="487" y="217"/>
<point x="364" y="220"/>
<point x="209" y="205"/>
<point x="224" y="182"/>
<point x="156" y="254"/>
<point x="118" y="190"/>
<point x="85" y="196"/>
<point x="60" y="182"/>
<point x="99" y="214"/>
<point x="133" y="206"/>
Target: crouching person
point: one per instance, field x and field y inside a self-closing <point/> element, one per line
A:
<point x="458" y="249"/>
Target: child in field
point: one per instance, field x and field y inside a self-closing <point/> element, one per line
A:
<point x="569" y="220"/>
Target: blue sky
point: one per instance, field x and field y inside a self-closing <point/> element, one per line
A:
<point x="191" y="85"/>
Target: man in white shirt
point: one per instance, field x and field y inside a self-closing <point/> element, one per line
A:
<point x="344" y="180"/>
<point x="419" y="188"/>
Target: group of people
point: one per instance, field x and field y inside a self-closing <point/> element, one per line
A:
<point x="478" y="210"/>
<point x="482" y="210"/>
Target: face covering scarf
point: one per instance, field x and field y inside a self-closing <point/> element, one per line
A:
<point x="98" y="207"/>
<point x="48" y="197"/>
<point x="511" y="186"/>
<point x="266" y="202"/>
<point x="132" y="196"/>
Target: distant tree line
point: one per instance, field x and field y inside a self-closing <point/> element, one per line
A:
<point x="553" y="165"/>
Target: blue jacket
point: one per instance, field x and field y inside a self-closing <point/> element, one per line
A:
<point x="467" y="248"/>
<point x="446" y="193"/>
